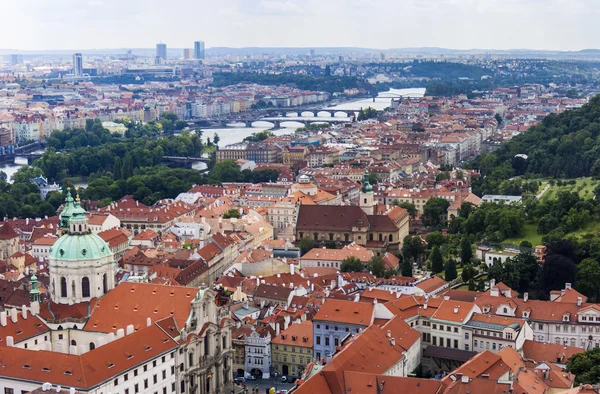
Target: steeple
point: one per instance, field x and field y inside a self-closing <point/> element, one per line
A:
<point x="366" y="186"/>
<point x="67" y="212"/>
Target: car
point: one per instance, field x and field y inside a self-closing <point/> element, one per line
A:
<point x="239" y="380"/>
<point x="284" y="378"/>
<point x="251" y="377"/>
<point x="282" y="392"/>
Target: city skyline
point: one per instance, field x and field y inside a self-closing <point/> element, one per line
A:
<point x="459" y="24"/>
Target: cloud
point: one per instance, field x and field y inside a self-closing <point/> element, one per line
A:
<point x="81" y="24"/>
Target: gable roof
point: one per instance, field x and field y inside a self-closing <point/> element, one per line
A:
<point x="348" y="312"/>
<point x="132" y="303"/>
<point x="90" y="369"/>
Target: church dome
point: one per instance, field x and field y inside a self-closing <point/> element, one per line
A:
<point x="79" y="247"/>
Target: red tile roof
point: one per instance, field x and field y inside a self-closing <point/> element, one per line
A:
<point x="133" y="303"/>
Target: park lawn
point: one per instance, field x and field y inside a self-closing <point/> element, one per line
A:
<point x="586" y="191"/>
<point x="529" y="234"/>
<point x="592" y="227"/>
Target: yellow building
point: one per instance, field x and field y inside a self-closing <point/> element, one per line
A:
<point x="292" y="350"/>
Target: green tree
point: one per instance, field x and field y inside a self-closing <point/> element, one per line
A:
<point x="435" y="238"/>
<point x="588" y="279"/>
<point x="468" y="273"/>
<point x="127" y="171"/>
<point x="472" y="286"/>
<point x="412" y="248"/>
<point x="435" y="212"/>
<point x="466" y="251"/>
<point x="352" y="264"/>
<point x="585" y="366"/>
<point x="377" y="267"/>
<point x="225" y="171"/>
<point x="437" y="261"/>
<point x="450" y="272"/>
<point x="305" y="245"/>
<point x="407" y="268"/>
<point x="232" y="213"/>
<point x="117" y="169"/>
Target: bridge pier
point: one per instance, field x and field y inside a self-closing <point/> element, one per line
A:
<point x="248" y="123"/>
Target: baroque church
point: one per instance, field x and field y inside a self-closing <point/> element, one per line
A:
<point x="95" y="336"/>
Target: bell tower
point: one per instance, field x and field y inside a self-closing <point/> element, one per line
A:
<point x="367" y="201"/>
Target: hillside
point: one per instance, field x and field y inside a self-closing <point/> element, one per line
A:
<point x="565" y="145"/>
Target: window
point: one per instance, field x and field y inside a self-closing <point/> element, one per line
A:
<point x="135" y="372"/>
<point x="509" y="335"/>
<point x="455" y="329"/>
<point x="475" y="343"/>
<point x="434" y="341"/>
<point x="9" y="391"/>
<point x="116" y="382"/>
<point x="63" y="287"/>
<point x="85" y="287"/>
<point x="540" y="326"/>
<point x="466" y="347"/>
<point x="136" y="388"/>
<point x="318" y="339"/>
<point x="466" y="335"/>
<point x="126" y="377"/>
<point x="145" y="383"/>
<point x="164" y="374"/>
<point x="326" y="341"/>
<point x="155" y="379"/>
<point x="448" y="342"/>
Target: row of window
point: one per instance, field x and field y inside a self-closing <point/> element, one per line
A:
<point x="145" y="369"/>
<point x="284" y="359"/>
<point x="441" y="328"/>
<point x="336" y="341"/>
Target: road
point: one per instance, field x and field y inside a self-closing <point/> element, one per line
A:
<point x="544" y="190"/>
<point x="263" y="386"/>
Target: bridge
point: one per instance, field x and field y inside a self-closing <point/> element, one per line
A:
<point x="185" y="159"/>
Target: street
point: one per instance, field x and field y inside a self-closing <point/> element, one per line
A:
<point x="263" y="385"/>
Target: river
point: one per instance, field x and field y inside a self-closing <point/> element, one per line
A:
<point x="237" y="132"/>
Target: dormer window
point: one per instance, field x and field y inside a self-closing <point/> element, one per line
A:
<point x="505" y="310"/>
<point x="565" y="317"/>
<point x="584" y="318"/>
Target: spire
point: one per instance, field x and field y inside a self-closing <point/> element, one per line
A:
<point x="366" y="186"/>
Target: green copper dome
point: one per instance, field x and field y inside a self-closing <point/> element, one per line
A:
<point x="78" y="244"/>
<point x="79" y="247"/>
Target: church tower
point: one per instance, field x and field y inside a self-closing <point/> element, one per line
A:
<point x="366" y="196"/>
<point x="81" y="263"/>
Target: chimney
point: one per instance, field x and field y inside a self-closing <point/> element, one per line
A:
<point x="562" y="293"/>
<point x="425" y="306"/>
<point x="492" y="283"/>
<point x="10" y="341"/>
<point x="375" y="301"/>
<point x="393" y="341"/>
<point x="291" y="285"/>
<point x="579" y="301"/>
<point x="389" y="334"/>
<point x="525" y="297"/>
<point x="24" y="312"/>
<point x="72" y="390"/>
<point x="464" y="379"/>
<point x="13" y="315"/>
<point x="120" y="333"/>
<point x="3" y="318"/>
<point x="568" y="286"/>
<point x="292" y="269"/>
<point x="455" y="309"/>
<point x="277" y="329"/>
<point x="148" y="322"/>
<point x="494" y="291"/>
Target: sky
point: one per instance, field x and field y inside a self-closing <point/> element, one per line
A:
<point x="384" y="24"/>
